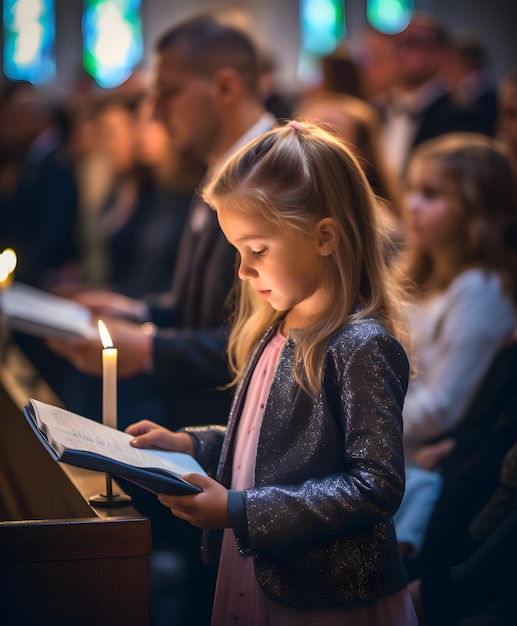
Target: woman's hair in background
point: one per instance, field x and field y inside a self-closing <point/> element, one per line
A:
<point x="481" y="175"/>
<point x="294" y="176"/>
<point x="335" y="111"/>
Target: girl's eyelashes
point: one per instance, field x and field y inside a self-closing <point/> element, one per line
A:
<point x="261" y="252"/>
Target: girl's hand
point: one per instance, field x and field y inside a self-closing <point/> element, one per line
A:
<point x="147" y="434"/>
<point x="207" y="510"/>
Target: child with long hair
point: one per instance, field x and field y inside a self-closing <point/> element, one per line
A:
<point x="461" y="221"/>
<point x="309" y="471"/>
<point x="460" y="218"/>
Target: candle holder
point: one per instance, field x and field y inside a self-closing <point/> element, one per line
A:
<point x="110" y="499"/>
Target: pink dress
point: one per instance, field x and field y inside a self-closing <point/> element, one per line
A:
<point x="238" y="596"/>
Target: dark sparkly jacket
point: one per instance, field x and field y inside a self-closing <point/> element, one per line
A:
<point x="329" y="474"/>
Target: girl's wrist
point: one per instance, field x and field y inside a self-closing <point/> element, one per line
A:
<point x="187" y="445"/>
<point x="237" y="510"/>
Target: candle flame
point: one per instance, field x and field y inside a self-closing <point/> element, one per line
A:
<point x="8" y="262"/>
<point x="105" y="336"/>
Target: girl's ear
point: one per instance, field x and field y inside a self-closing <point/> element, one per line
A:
<point x="327" y="234"/>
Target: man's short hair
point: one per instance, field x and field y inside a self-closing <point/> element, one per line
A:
<point x="207" y="45"/>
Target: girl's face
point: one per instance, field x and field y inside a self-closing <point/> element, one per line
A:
<point x="282" y="266"/>
<point x="433" y="215"/>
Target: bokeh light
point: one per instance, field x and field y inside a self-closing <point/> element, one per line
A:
<point x="113" y="45"/>
<point x="29" y="37"/>
<point x="389" y="16"/>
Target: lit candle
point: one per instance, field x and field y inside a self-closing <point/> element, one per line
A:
<point x="109" y="378"/>
<point x="7" y="264"/>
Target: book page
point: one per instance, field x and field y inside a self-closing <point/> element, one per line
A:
<point x="68" y="430"/>
<point x="38" y="312"/>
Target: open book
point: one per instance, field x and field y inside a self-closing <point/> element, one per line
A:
<point x="83" y="442"/>
<point x="35" y="312"/>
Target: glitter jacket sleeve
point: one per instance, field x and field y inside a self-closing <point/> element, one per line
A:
<point x="329" y="475"/>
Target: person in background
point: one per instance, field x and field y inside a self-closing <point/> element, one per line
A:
<point x="311" y="469"/>
<point x="357" y="123"/>
<point x="468" y="461"/>
<point x="138" y="218"/>
<point x="113" y="118"/>
<point x="341" y="73"/>
<point x="506" y="126"/>
<point x="460" y="213"/>
<point x="168" y="184"/>
<point x="480" y="590"/>
<point x="38" y="188"/>
<point x="461" y="208"/>
<point x="420" y="104"/>
<point x="375" y="56"/>
<point x="93" y="171"/>
<point x="468" y="71"/>
<point x="143" y="223"/>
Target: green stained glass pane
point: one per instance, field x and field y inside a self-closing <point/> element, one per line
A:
<point x="389" y="16"/>
<point x="112" y="39"/>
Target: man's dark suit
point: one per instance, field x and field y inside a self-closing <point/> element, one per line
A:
<point x="443" y="115"/>
<point x="189" y="363"/>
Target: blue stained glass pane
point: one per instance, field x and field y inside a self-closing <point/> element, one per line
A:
<point x="322" y="24"/>
<point x="29" y="37"/>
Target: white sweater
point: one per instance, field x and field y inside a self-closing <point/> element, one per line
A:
<point x="455" y="336"/>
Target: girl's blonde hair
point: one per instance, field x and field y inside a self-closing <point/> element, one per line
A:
<point x="294" y="176"/>
<point x="481" y="175"/>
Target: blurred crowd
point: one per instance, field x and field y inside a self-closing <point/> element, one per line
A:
<point x="96" y="194"/>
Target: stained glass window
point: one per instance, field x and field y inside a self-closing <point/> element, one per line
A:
<point x="322" y="25"/>
<point x="29" y="37"/>
<point x="389" y="16"/>
<point x="112" y="40"/>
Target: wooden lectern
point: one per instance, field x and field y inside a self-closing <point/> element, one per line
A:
<point x="62" y="561"/>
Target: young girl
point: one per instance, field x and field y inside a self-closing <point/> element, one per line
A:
<point x="460" y="217"/>
<point x="309" y="470"/>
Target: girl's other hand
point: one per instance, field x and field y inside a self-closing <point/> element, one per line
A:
<point x="207" y="510"/>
